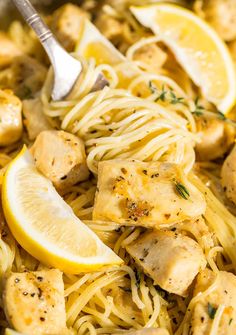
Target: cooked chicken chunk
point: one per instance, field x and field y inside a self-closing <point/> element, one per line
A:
<point x="197" y="228"/>
<point x="152" y="56"/>
<point x="34" y="302"/>
<point x="8" y="50"/>
<point x="205" y="309"/>
<point x="149" y="331"/>
<point x="11" y="118"/>
<point x="146" y="194"/>
<point x="25" y="76"/>
<point x="216" y="137"/>
<point x="109" y="26"/>
<point x="124" y="298"/>
<point x="35" y="120"/>
<point x="60" y="156"/>
<point x="228" y="174"/>
<point x="66" y="23"/>
<point x="170" y="259"/>
<point x="221" y="14"/>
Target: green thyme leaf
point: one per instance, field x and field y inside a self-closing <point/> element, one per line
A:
<point x="162" y="95"/>
<point x="138" y="277"/>
<point x="221" y="116"/>
<point x="26" y="92"/>
<point x="211" y="310"/>
<point x="198" y="111"/>
<point x="182" y="190"/>
<point x="125" y="289"/>
<point x="175" y="100"/>
<point x="152" y="88"/>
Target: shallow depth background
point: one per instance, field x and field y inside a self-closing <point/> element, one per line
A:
<point x="8" y="11"/>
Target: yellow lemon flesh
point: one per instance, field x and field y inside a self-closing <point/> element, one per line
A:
<point x="197" y="47"/>
<point x="45" y="226"/>
<point x="92" y="44"/>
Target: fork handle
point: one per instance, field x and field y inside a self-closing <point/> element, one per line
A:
<point x="33" y="19"/>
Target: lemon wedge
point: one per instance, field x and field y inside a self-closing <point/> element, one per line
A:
<point x="92" y="44"/>
<point x="45" y="226"/>
<point x="197" y="47"/>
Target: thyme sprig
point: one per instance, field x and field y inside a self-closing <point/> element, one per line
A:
<point x="221" y="116"/>
<point x="182" y="190"/>
<point x="176" y="100"/>
<point x="166" y="95"/>
<point x="199" y="109"/>
<point x="211" y="311"/>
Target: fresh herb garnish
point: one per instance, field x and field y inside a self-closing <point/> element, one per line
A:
<point x="175" y="100"/>
<point x="26" y="92"/>
<point x="165" y="94"/>
<point x="182" y="190"/>
<point x="126" y="289"/>
<point x="198" y="111"/>
<point x="138" y="277"/>
<point x="211" y="310"/>
<point x="221" y="116"/>
<point x="162" y="95"/>
<point x="152" y="88"/>
<point x="230" y="321"/>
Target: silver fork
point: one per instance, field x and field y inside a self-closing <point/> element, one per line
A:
<point x="66" y="68"/>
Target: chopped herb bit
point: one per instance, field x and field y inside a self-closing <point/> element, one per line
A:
<point x="123" y="170"/>
<point x="198" y="111"/>
<point x="182" y="190"/>
<point x="26" y="92"/>
<point x="162" y="95"/>
<point x="211" y="310"/>
<point x="126" y="289"/>
<point x="175" y="100"/>
<point x="230" y="321"/>
<point x="152" y="88"/>
<point x="138" y="277"/>
<point x="221" y="116"/>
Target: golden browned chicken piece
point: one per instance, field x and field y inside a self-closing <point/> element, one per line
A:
<point x="11" y="118"/>
<point x="110" y="27"/>
<point x="35" y="120"/>
<point x="152" y="56"/>
<point x="8" y="50"/>
<point x="34" y="302"/>
<point x="170" y="259"/>
<point x="228" y="175"/>
<point x="145" y="194"/>
<point x="66" y="23"/>
<point x="221" y="14"/>
<point x="25" y="76"/>
<point x="222" y="297"/>
<point x="216" y="137"/>
<point x="199" y="229"/>
<point x="60" y="156"/>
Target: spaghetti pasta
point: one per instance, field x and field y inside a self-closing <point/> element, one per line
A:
<point x="143" y="115"/>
